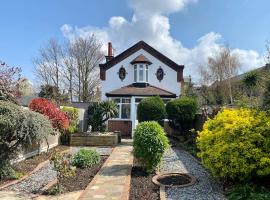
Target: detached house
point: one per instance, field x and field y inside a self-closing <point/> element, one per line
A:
<point x="138" y="72"/>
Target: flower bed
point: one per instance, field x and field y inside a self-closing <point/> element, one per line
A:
<point x="94" y="139"/>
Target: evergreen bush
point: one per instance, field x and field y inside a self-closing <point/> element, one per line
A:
<point x="151" y="109"/>
<point x="150" y="143"/>
<point x="236" y="144"/>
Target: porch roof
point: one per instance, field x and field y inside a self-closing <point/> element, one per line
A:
<point x="131" y="90"/>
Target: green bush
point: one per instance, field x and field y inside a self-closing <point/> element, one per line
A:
<point x="248" y="192"/>
<point x="73" y="117"/>
<point x="181" y="113"/>
<point x="150" y="143"/>
<point x="85" y="158"/>
<point x="99" y="113"/>
<point x="19" y="128"/>
<point x="151" y="109"/>
<point x="236" y="144"/>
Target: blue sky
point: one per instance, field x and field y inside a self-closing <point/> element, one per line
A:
<point x="176" y="27"/>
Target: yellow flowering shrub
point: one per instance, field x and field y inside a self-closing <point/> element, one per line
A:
<point x="236" y="144"/>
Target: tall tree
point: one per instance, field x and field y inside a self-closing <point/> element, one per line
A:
<point x="87" y="55"/>
<point x="72" y="67"/>
<point x="222" y="66"/>
<point x="49" y="63"/>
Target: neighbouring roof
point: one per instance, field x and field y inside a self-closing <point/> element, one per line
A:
<point x="140" y="59"/>
<point x="131" y="90"/>
<point x="147" y="48"/>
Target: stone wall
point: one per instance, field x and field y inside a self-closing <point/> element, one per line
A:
<point x="93" y="140"/>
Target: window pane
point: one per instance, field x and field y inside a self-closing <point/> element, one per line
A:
<point x="116" y="100"/>
<point x="135" y="73"/>
<point x="141" y="74"/>
<point x="118" y="113"/>
<point x="125" y="111"/>
<point x="138" y="100"/>
<point x="146" y="74"/>
<point x="125" y="100"/>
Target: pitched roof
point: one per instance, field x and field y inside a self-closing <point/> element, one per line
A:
<point x="131" y="90"/>
<point x="147" y="48"/>
<point x="140" y="59"/>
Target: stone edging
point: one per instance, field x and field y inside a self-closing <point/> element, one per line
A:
<point x="162" y="193"/>
<point x="38" y="167"/>
<point x="125" y="194"/>
<point x="96" y="176"/>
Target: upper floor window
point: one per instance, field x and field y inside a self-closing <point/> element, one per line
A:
<point x="141" y="73"/>
<point x="141" y="64"/>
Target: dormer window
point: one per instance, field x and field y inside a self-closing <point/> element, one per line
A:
<point x="141" y="64"/>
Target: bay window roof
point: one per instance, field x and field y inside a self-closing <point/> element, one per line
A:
<point x="140" y="59"/>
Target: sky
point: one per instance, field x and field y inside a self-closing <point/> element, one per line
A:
<point x="187" y="31"/>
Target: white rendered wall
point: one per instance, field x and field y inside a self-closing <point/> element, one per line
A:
<point x="113" y="81"/>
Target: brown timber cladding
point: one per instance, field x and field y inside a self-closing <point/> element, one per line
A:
<point x="124" y="126"/>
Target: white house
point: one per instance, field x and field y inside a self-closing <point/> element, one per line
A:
<point x="138" y="72"/>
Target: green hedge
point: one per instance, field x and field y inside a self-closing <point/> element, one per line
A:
<point x="181" y="112"/>
<point x="150" y="143"/>
<point x="151" y="109"/>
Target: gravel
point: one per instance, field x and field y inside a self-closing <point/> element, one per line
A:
<point x="36" y="180"/>
<point x="46" y="174"/>
<point x="205" y="188"/>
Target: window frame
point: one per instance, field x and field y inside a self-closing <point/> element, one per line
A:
<point x="119" y="104"/>
<point x="138" y="69"/>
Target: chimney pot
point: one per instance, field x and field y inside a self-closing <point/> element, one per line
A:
<point x="110" y="52"/>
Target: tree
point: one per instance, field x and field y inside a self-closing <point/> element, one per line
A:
<point x="250" y="82"/>
<point x="87" y="55"/>
<point x="48" y="64"/>
<point x="9" y="81"/>
<point x="72" y="66"/>
<point x="222" y="66"/>
<point x="266" y="97"/>
<point x="52" y="93"/>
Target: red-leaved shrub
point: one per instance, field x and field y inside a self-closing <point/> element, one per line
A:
<point x="58" y="118"/>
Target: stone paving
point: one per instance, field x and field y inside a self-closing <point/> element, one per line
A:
<point x="113" y="180"/>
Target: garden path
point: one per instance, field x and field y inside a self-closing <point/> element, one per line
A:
<point x="205" y="188"/>
<point x="113" y="180"/>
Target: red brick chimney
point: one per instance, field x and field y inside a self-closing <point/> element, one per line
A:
<point x="110" y="52"/>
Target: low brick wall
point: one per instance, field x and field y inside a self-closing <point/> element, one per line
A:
<point x="124" y="126"/>
<point x="82" y="139"/>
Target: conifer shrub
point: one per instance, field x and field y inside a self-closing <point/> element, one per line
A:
<point x="150" y="143"/>
<point x="235" y="144"/>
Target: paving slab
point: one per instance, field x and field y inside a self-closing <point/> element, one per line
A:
<point x="113" y="180"/>
<point x="14" y="195"/>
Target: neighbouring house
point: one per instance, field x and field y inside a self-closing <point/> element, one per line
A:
<point x="138" y="72"/>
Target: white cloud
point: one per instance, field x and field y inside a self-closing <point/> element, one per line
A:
<point x="150" y="22"/>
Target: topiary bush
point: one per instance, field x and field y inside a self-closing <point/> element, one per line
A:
<point x="151" y="109"/>
<point x="181" y="113"/>
<point x="85" y="158"/>
<point x="236" y="144"/>
<point x="58" y="118"/>
<point x="19" y="128"/>
<point x="150" y="143"/>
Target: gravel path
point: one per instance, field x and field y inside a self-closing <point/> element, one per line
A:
<point x="204" y="189"/>
<point x="36" y="180"/>
<point x="46" y="174"/>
